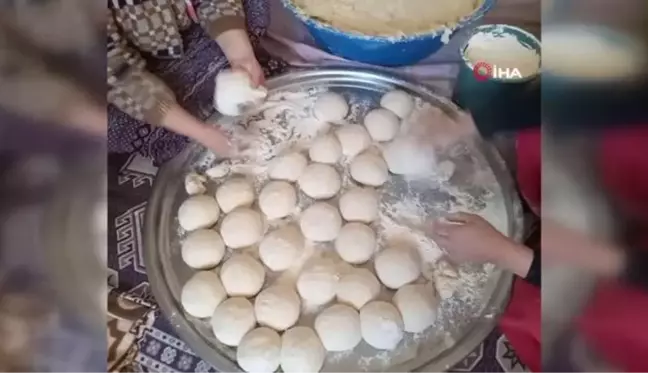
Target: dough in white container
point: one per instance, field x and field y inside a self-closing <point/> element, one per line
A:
<point x="417" y="305"/>
<point x="357" y="287"/>
<point x="280" y="248"/>
<point x="356" y="243"/>
<point x="277" y="307"/>
<point x="320" y="222"/>
<point x="381" y="325"/>
<point x="259" y="351"/>
<point x="241" y="228"/>
<point x="277" y="199"/>
<point x="331" y="107"/>
<point x="338" y="327"/>
<point x="198" y="212"/>
<point x="317" y="283"/>
<point x="398" y="102"/>
<point x="359" y="204"/>
<point x="202" y="294"/>
<point x="325" y="149"/>
<point x="203" y="249"/>
<point x="369" y="169"/>
<point x="195" y="183"/>
<point x="397" y="266"/>
<point x="382" y="124"/>
<point x="320" y="181"/>
<point x="235" y="93"/>
<point x="232" y="320"/>
<point x="235" y="192"/>
<point x="301" y="351"/>
<point x="288" y="167"/>
<point x="242" y="276"/>
<point x="354" y="139"/>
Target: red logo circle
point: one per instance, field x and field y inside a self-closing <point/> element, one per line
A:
<point x="482" y="71"/>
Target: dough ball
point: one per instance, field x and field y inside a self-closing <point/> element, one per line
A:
<point x="398" y="102"/>
<point x="235" y="192"/>
<point x="235" y="92"/>
<point x="241" y="228"/>
<point x="259" y="351"/>
<point x="356" y="243"/>
<point x="338" y="327"/>
<point x="202" y="294"/>
<point x="195" y="183"/>
<point x="232" y="320"/>
<point x="396" y="267"/>
<point x="242" y="276"/>
<point x="406" y="156"/>
<point x="417" y="305"/>
<point x="369" y="169"/>
<point x="287" y="167"/>
<point x="382" y="124"/>
<point x="381" y="325"/>
<point x="277" y="199"/>
<point x="354" y="139"/>
<point x="358" y="287"/>
<point x="203" y="249"/>
<point x="198" y="212"/>
<point x="316" y="284"/>
<point x="321" y="222"/>
<point x="325" y="149"/>
<point x="359" y="204"/>
<point x="445" y="170"/>
<point x="219" y="171"/>
<point x="301" y="351"/>
<point x="320" y="181"/>
<point x="280" y="248"/>
<point x="277" y="307"/>
<point x="331" y="107"/>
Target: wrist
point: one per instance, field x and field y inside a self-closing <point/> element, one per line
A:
<point x="236" y="45"/>
<point x="516" y="258"/>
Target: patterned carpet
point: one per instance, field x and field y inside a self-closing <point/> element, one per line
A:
<point x="141" y="339"/>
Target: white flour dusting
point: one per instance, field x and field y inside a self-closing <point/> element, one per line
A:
<point x="286" y="123"/>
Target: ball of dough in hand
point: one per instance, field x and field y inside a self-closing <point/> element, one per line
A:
<point x="241" y="228"/>
<point x="417" y="305"/>
<point x="369" y="169"/>
<point x="203" y="249"/>
<point x="259" y="351"/>
<point x="235" y="192"/>
<point x="202" y="294"/>
<point x="288" y="167"/>
<point x="331" y="107"/>
<point x="354" y="139"/>
<point x="242" y="276"/>
<point x="396" y="266"/>
<point x="277" y="199"/>
<point x="382" y="124"/>
<point x="235" y="93"/>
<point x="325" y="149"/>
<point x="316" y="284"/>
<point x="198" y="212"/>
<point x="357" y="287"/>
<point x="195" y="183"/>
<point x="356" y="243"/>
<point x="232" y="320"/>
<point x="280" y="248"/>
<point x="301" y="351"/>
<point x="320" y="181"/>
<point x="381" y="325"/>
<point x="321" y="222"/>
<point x="277" y="307"/>
<point x="359" y="204"/>
<point x="338" y="327"/>
<point x="398" y="102"/>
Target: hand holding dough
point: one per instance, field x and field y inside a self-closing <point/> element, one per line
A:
<point x="234" y="93"/>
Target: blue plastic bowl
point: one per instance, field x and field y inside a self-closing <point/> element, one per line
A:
<point x="381" y="50"/>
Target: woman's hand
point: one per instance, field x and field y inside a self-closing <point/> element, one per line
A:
<point x="238" y="50"/>
<point x="180" y="121"/>
<point x="470" y="238"/>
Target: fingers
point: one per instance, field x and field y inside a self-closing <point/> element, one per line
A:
<point x="460" y="217"/>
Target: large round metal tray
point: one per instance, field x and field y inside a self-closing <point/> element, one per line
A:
<point x="167" y="272"/>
